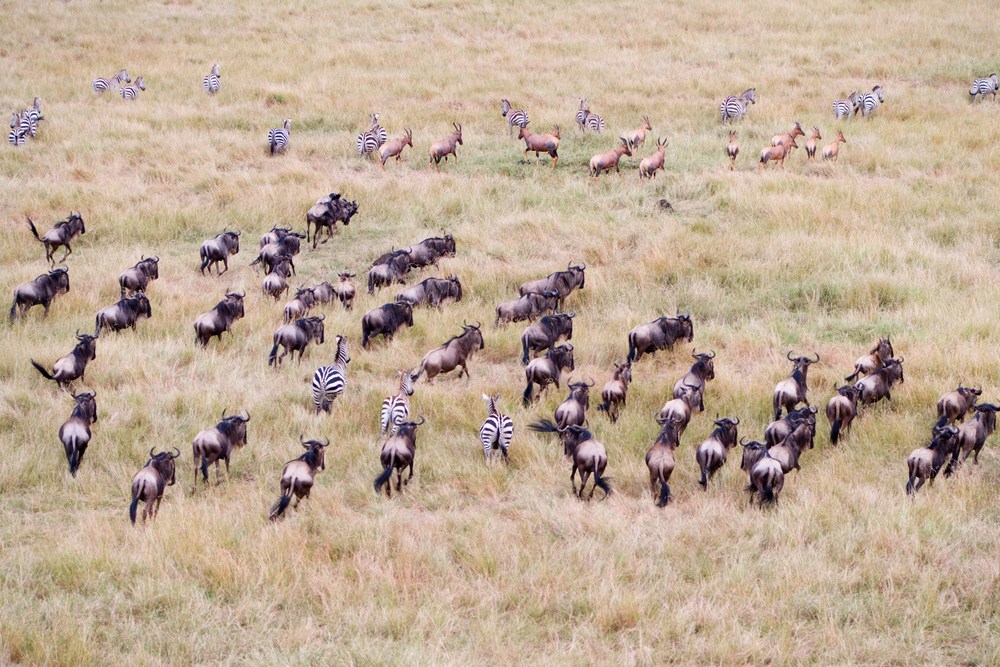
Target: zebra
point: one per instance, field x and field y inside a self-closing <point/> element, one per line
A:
<point x="843" y="108"/>
<point x="396" y="409"/>
<point x="868" y="102"/>
<point x="329" y="381"/>
<point x="101" y="85"/>
<point x="277" y="137"/>
<point x="131" y="93"/>
<point x="367" y="144"/>
<point x="984" y="87"/>
<point x="210" y="84"/>
<point x="497" y="431"/>
<point x="735" y="107"/>
<point x="16" y="135"/>
<point x="32" y="115"/>
<point x="514" y="117"/>
<point x="23" y="126"/>
<point x="377" y="131"/>
<point x="595" y="122"/>
<point x="581" y="114"/>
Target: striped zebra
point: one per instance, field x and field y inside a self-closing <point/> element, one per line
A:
<point x="210" y="84"/>
<point x="868" y="102"/>
<point x="984" y="87"/>
<point x="329" y="381"/>
<point x="101" y="85"/>
<point x="735" y="107"/>
<point x="581" y="115"/>
<point x="377" y="131"/>
<point x="24" y="125"/>
<point x="595" y="123"/>
<point x="843" y="108"/>
<point x="32" y="115"/>
<point x="497" y="431"/>
<point x="131" y="93"/>
<point x="367" y="144"/>
<point x="16" y="136"/>
<point x="396" y="409"/>
<point x="277" y="137"/>
<point x="514" y="117"/>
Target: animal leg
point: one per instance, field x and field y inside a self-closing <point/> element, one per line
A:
<point x="411" y="473"/>
<point x="572" y="478"/>
<point x="584" y="476"/>
<point x="66" y="254"/>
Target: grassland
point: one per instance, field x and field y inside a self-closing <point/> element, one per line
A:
<point x="476" y="565"/>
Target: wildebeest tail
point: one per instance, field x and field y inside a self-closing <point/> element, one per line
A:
<point x="280" y="506"/>
<point x="386" y="474"/>
<point x="544" y="426"/>
<point x="40" y="369"/>
<point x="273" y="356"/>
<point x="835" y="431"/>
<point x="135" y="500"/>
<point x="912" y="466"/>
<point x="602" y="483"/>
<point x="527" y="393"/>
<point x="941" y="423"/>
<point x="631" y="348"/>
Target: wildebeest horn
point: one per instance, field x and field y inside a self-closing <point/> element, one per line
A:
<point x="743" y="440"/>
<point x="711" y="354"/>
<point x="247" y="418"/>
<point x="151" y="451"/>
<point x="321" y="317"/>
<point x="155" y="259"/>
<point x="789" y="355"/>
<point x="977" y="392"/>
<point x="422" y="420"/>
<point x="476" y="325"/>
<point x="570" y="315"/>
<point x="223" y="413"/>
<point x="736" y="422"/>
<point x="591" y="383"/>
<point x="177" y="455"/>
<point x="302" y="441"/>
<point x="900" y="360"/>
<point x="660" y="419"/>
<point x="817" y="358"/>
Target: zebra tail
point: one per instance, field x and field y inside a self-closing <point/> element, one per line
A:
<point x="273" y="143"/>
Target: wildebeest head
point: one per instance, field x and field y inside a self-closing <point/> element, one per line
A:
<point x="234" y="427"/>
<point x="456" y="287"/>
<point x="686" y="326"/>
<point x="705" y="359"/>
<point x="471" y="333"/>
<point x="87" y="347"/>
<point x="315" y="456"/>
<point x="801" y="363"/>
<point x="313" y="326"/>
<point x="347" y="210"/>
<point x="163" y="463"/>
<point x="59" y="279"/>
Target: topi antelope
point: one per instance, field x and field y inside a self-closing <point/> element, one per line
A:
<point x="841" y="411"/>
<point x="218" y="320"/>
<point x="398" y="453"/>
<point x="793" y="390"/>
<point x="546" y="370"/>
<point x="614" y="392"/>
<point x="440" y="150"/>
<point x="296" y="336"/>
<point x="137" y="278"/>
<point x="955" y="405"/>
<point x="540" y="143"/>
<point x="394" y="148"/>
<point x="40" y="291"/>
<point x="603" y="162"/>
<point x="149" y="483"/>
<point x="871" y="362"/>
<point x="712" y="453"/>
<point x="588" y="455"/>
<point x="299" y="475"/>
<point x="811" y="143"/>
<point x="637" y="137"/>
<point x="786" y="138"/>
<point x="61" y="235"/>
<point x="73" y="365"/>
<point x="216" y="444"/>
<point x="832" y="150"/>
<point x="661" y="333"/>
<point x="75" y="431"/>
<point x="732" y="150"/>
<point x="652" y="163"/>
<point x="777" y="154"/>
<point x="455" y="352"/>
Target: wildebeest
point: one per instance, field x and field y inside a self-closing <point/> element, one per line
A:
<point x="587" y="453"/>
<point x="679" y="410"/>
<point x="149" y="483"/>
<point x="527" y="307"/>
<point x="661" y="333"/>
<point x="955" y="405"/>
<point x="216" y="444"/>
<point x="841" y="411"/>
<point x="879" y="384"/>
<point x="385" y="321"/>
<point x="344" y="291"/>
<point x="124" y="314"/>
<point x="433" y="291"/>
<point x="793" y="390"/>
<point x="300" y="305"/>
<point x="574" y="409"/>
<point x="275" y="235"/>
<point x="276" y="282"/>
<point x="924" y="463"/>
<point x="299" y="475"/>
<point x="713" y="451"/>
<point x="545" y="333"/>
<point x="780" y="429"/>
<point x="218" y="250"/>
<point x="296" y="336"/>
<point x="219" y="319"/>
<point x="789" y="450"/>
<point x="283" y="249"/>
<point x="326" y="213"/>
<point x="392" y="270"/>
<point x="75" y="431"/>
<point x="455" y="352"/>
<point x="137" y="278"/>
<point x="546" y="370"/>
<point x="972" y="434"/>
<point x="766" y="476"/>
<point x="872" y="361"/>
<point x="701" y="371"/>
<point x="615" y="391"/>
<point x="560" y="282"/>
<point x="73" y="365"/>
<point x="398" y="453"/>
<point x="661" y="461"/>
<point x="40" y="291"/>
<point x="62" y="234"/>
<point x="430" y="250"/>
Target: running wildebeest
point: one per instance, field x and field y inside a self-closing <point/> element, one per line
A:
<point x="561" y="282"/>
<point x="398" y="453"/>
<point x="841" y="411"/>
<point x="545" y="333"/>
<point x="793" y="390"/>
<point x="955" y="405"/>
<point x="75" y="432"/>
<point x="149" y="483"/>
<point x="615" y="391"/>
<point x="871" y="362"/>
<point x="661" y="461"/>
<point x="455" y="352"/>
<point x="972" y="434"/>
<point x="527" y="307"/>
<point x="216" y="444"/>
<point x="218" y="250"/>
<point x="546" y="370"/>
<point x="296" y="336"/>
<point x="587" y="453"/>
<point x="701" y="371"/>
<point x="713" y="451"/>
<point x="385" y="321"/>
<point x="40" y="291"/>
<point x="219" y="319"/>
<point x="432" y="291"/>
<point x="73" y="365"/>
<point x="137" y="278"/>
<point x="62" y="234"/>
<point x="878" y="385"/>
<point x="430" y="250"/>
<point x="924" y="463"/>
<point x="661" y="333"/>
<point x="299" y="475"/>
<point x="124" y="314"/>
<point x="392" y="270"/>
<point x="326" y="213"/>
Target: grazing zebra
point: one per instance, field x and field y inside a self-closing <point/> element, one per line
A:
<point x="843" y="108"/>
<point x="210" y="84"/>
<point x="868" y="102"/>
<point x="277" y="137"/>
<point x="329" y="381"/>
<point x="131" y="93"/>
<point x="497" y="431"/>
<point x="984" y="87"/>
<point x="514" y="117"/>
<point x="581" y="114"/>
<point x="735" y="107"/>
<point x="101" y="85"/>
<point x="396" y="409"/>
<point x="16" y="135"/>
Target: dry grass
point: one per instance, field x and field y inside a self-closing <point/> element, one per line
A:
<point x="473" y="564"/>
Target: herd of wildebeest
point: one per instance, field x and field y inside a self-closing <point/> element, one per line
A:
<point x="546" y="355"/>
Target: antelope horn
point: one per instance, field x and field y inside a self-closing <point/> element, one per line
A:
<point x="326" y="442"/>
<point x="422" y="420"/>
<point x="223" y="413"/>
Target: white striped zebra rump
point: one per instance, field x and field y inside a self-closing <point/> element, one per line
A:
<point x="211" y="84"/>
<point x="867" y="103"/>
<point x="16" y="137"/>
<point x="367" y="144"/>
<point x="395" y="411"/>
<point x="277" y="137"/>
<point x="595" y="123"/>
<point x="131" y="93"/>
<point x="984" y="87"/>
<point x="842" y="109"/>
<point x="496" y="432"/>
<point x="328" y="383"/>
<point x="735" y="107"/>
<point x="102" y="85"/>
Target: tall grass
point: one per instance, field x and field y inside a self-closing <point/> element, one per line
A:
<point x="476" y="564"/>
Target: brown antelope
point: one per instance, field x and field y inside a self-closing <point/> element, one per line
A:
<point x="149" y="483"/>
<point x="299" y="475"/>
<point x="455" y="352"/>
<point x="732" y="150"/>
<point x="398" y="453"/>
<point x="72" y="366"/>
<point x="924" y="463"/>
<point x="588" y="455"/>
<point x="75" y="432"/>
<point x="791" y="391"/>
<point x="679" y="410"/>
<point x="811" y="143"/>
<point x="652" y="163"/>
<point x="540" y="143"/>
<point x="546" y="370"/>
<point x="440" y="150"/>
<point x="603" y="162"/>
<point x="637" y="137"/>
<point x="786" y="138"/>
<point x="879" y="384"/>
<point x="615" y="391"/>
<point x="972" y="435"/>
<point x="777" y="154"/>
<point x="394" y="147"/>
<point x="831" y="150"/>
<point x="872" y="361"/>
<point x="955" y="405"/>
<point x="841" y="411"/>
<point x="701" y="371"/>
<point x="712" y="453"/>
<point x="216" y="444"/>
<point x="661" y="461"/>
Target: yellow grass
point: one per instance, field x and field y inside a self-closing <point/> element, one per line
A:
<point x="473" y="565"/>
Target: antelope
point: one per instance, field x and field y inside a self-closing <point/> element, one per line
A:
<point x="148" y="484"/>
<point x="661" y="333"/>
<point x="216" y="444"/>
<point x="701" y="371"/>
<point x="453" y="353"/>
<point x="811" y="143"/>
<point x="296" y="336"/>
<point x="679" y="410"/>
<point x="588" y="455"/>
<point x="394" y="147"/>
<point x="545" y="333"/>
<point x="841" y="411"/>
<point x="831" y="150"/>
<point x="442" y="149"/>
<point x="872" y="361"/>
<point x="791" y="391"/>
<point x="218" y="250"/>
<point x="879" y="384"/>
<point x="540" y="143"/>
<point x="653" y="163"/>
<point x="546" y="370"/>
<point x="300" y="306"/>
<point x="574" y="409"/>
<point x="73" y="365"/>
<point x="219" y="319"/>
<point x="732" y="150"/>
<point x="40" y="291"/>
<point x="137" y="278"/>
<point x="637" y="137"/>
<point x="75" y="431"/>
<point x="924" y="463"/>
<point x="661" y="461"/>
<point x="972" y="435"/>
<point x="398" y="453"/>
<point x="124" y="314"/>
<point x="712" y="453"/>
<point x="955" y="405"/>
<point x="299" y="475"/>
<point x="61" y="235"/>
<point x="615" y="391"/>
<point x="603" y="162"/>
<point x="777" y="153"/>
<point x="786" y="138"/>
